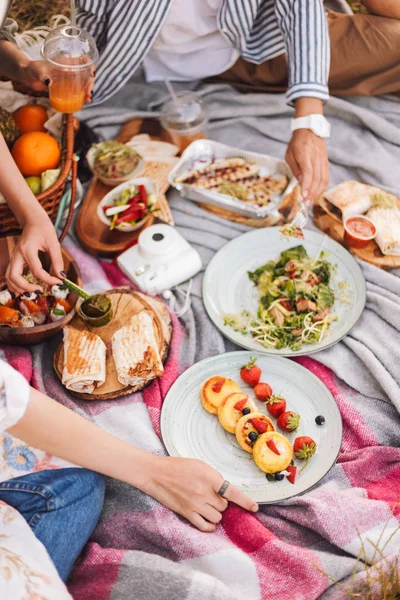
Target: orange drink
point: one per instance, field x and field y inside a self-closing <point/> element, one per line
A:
<point x="68" y="89"/>
<point x="184" y="116"/>
<point x="70" y="54"/>
<point x="66" y="98"/>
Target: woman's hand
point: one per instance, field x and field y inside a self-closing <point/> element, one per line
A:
<point x="36" y="75"/>
<point x="189" y="487"/>
<point x="307" y="157"/>
<point x="38" y="235"/>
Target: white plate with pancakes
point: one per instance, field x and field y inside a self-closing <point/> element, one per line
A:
<point x="227" y="288"/>
<point x="188" y="430"/>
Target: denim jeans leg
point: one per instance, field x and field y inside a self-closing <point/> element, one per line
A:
<point x="62" y="507"/>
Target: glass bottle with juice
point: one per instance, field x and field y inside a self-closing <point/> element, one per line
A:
<point x="70" y="54"/>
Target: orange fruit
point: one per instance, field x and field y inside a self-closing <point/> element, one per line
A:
<point x="36" y="152"/>
<point x="31" y="117"/>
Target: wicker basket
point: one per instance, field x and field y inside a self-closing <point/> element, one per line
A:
<point x="50" y="199"/>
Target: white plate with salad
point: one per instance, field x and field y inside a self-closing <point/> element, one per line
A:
<point x="279" y="295"/>
<point x="128" y="206"/>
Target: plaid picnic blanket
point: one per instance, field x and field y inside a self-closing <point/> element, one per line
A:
<point x="291" y="551"/>
<point x="142" y="550"/>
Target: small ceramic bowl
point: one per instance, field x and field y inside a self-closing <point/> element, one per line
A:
<point x="358" y="231"/>
<point x="95" y="321"/>
<point x="90" y="157"/>
<point x="109" y="199"/>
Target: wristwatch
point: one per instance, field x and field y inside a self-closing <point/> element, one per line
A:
<point x="317" y="123"/>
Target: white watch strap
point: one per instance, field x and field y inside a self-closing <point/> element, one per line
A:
<point x="318" y="124"/>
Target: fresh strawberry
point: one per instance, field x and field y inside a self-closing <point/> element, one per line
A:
<point x="289" y="421"/>
<point x="250" y="373"/>
<point x="217" y="386"/>
<point x="276" y="406"/>
<point x="240" y="405"/>
<point x="259" y="425"/>
<point x="272" y="446"/>
<point x="293" y="472"/>
<point x="263" y="391"/>
<point x="304" y="447"/>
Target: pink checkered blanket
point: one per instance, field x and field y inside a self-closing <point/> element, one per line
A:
<point x="142" y="550"/>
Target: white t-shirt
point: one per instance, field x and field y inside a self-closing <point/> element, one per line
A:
<point x="189" y="45"/>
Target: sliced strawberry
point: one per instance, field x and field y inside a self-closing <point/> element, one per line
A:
<point x="240" y="405"/>
<point x="272" y="446"/>
<point x="293" y="473"/>
<point x="259" y="425"/>
<point x="217" y="386"/>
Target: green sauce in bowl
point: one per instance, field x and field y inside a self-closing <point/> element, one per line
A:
<point x="96" y="310"/>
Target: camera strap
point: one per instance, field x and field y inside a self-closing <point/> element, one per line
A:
<point x="185" y="295"/>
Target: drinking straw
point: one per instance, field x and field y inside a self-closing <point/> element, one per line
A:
<point x="169" y="87"/>
<point x="73" y="13"/>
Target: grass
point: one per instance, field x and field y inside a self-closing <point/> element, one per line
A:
<point x="33" y="13"/>
<point x="378" y="582"/>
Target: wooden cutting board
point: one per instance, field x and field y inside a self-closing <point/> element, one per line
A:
<point x="334" y="228"/>
<point x="126" y="304"/>
<point x="94" y="235"/>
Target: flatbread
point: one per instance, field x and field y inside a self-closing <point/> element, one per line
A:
<point x="135" y="351"/>
<point x="349" y="199"/>
<point x="387" y="223"/>
<point x="84" y="367"/>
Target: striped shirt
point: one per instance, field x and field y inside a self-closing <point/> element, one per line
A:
<point x="125" y="30"/>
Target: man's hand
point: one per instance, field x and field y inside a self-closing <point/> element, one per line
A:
<point x="307" y="157"/>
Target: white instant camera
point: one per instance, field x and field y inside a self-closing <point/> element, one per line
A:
<point x="161" y="259"/>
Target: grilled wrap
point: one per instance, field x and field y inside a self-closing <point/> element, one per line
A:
<point x="135" y="351"/>
<point x="84" y="367"/>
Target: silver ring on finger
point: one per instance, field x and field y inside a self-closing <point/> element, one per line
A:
<point x="223" y="488"/>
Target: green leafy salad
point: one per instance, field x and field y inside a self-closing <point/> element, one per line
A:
<point x="295" y="301"/>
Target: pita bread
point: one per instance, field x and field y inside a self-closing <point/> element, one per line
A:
<point x="348" y="199"/>
<point x="153" y="150"/>
<point x="135" y="351"/>
<point x="84" y="367"/>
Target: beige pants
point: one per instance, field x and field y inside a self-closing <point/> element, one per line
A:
<point x="365" y="60"/>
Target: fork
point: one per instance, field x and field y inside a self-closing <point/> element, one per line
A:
<point x="301" y="217"/>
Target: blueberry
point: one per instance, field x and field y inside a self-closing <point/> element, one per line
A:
<point x="320" y="420"/>
<point x="246" y="411"/>
<point x="279" y="476"/>
<point x="253" y="436"/>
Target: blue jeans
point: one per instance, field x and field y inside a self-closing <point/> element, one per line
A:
<point x="62" y="508"/>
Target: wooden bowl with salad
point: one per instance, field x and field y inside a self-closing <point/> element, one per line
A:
<point x="129" y="206"/>
<point x="30" y="320"/>
<point x="114" y="163"/>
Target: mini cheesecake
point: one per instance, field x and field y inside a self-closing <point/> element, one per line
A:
<point x="266" y="449"/>
<point x="215" y="390"/>
<point x="249" y="427"/>
<point x="231" y="410"/>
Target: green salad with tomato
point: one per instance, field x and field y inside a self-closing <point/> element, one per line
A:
<point x="295" y="301"/>
<point x="130" y="207"/>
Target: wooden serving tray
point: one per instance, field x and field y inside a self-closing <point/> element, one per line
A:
<point x="94" y="235"/>
<point x="126" y="304"/>
<point x="334" y="228"/>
